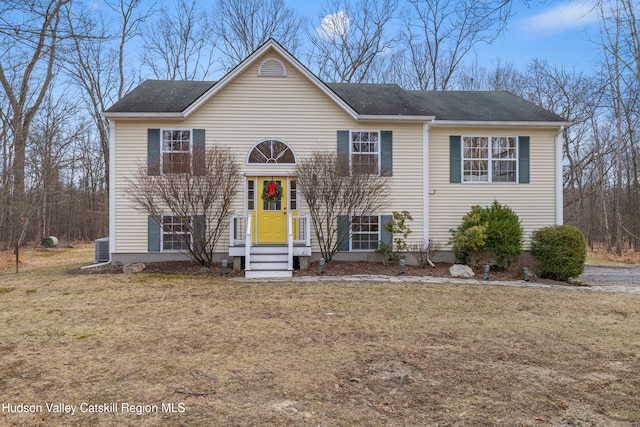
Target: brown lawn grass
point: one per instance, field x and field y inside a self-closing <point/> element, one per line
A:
<point x="339" y="354"/>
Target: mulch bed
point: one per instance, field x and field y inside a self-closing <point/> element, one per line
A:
<point x="334" y="268"/>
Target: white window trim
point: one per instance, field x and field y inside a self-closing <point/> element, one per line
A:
<point x="351" y="233"/>
<point x="163" y="232"/>
<point x="295" y="158"/>
<point x="490" y="160"/>
<point x="379" y="152"/>
<point x="162" y="150"/>
<point x="297" y="193"/>
<point x="254" y="180"/>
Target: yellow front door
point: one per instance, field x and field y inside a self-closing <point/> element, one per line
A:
<point x="272" y="215"/>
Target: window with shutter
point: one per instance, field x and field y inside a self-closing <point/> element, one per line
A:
<point x="489" y="159"/>
<point x="368" y="152"/>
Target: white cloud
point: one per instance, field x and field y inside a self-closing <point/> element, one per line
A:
<point x="568" y="15"/>
<point x="335" y="25"/>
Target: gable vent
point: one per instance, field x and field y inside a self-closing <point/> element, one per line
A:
<point x="272" y="68"/>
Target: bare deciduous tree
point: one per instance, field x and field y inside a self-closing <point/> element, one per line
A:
<point x="438" y="35"/>
<point x="97" y="63"/>
<point x="351" y="38"/>
<point x="619" y="40"/>
<point x="52" y="135"/>
<point x="29" y="36"/>
<point x="330" y="191"/>
<point x="179" y="44"/>
<point x="500" y="76"/>
<point x="201" y="201"/>
<point x="241" y="26"/>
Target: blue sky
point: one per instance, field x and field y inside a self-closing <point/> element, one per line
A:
<point x="562" y="32"/>
<point x="555" y="30"/>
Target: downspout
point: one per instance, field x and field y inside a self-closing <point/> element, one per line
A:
<point x="426" y="127"/>
<point x="559" y="177"/>
<point x="87" y="267"/>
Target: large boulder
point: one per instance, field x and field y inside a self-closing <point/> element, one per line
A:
<point x="133" y="268"/>
<point x="459" y="270"/>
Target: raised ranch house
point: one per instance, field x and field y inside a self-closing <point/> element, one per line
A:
<point x="444" y="151"/>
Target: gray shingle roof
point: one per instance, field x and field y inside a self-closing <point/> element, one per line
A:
<point x="500" y="106"/>
<point x="375" y="99"/>
<point x="161" y="96"/>
<point x="168" y="96"/>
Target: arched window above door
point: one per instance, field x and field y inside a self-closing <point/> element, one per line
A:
<point x="271" y="151"/>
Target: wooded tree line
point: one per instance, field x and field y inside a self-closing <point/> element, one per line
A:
<point x="63" y="62"/>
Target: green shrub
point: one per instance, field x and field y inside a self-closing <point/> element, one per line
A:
<point x="492" y="233"/>
<point x="562" y="250"/>
<point x="400" y="230"/>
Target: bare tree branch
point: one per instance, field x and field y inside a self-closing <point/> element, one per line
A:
<point x="331" y="191"/>
<point x="351" y="38"/>
<point x="179" y="43"/>
<point x="242" y="26"/>
<point x="438" y="35"/>
<point x="204" y="197"/>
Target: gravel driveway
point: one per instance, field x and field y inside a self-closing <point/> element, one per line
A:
<point x="610" y="275"/>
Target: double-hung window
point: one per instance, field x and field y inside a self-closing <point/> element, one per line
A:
<point x="490" y="158"/>
<point x="176" y="233"/>
<point x="365" y="152"/>
<point x="176" y="151"/>
<point x="365" y="233"/>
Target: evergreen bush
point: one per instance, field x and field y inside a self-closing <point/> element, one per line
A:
<point x="562" y="250"/>
<point x="494" y="232"/>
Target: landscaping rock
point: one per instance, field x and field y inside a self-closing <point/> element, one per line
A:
<point x="459" y="270"/>
<point x="133" y="268"/>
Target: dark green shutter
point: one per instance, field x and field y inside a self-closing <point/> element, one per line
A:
<point x="199" y="230"/>
<point x="343" y="142"/>
<point x="154" y="234"/>
<point x="343" y="152"/>
<point x="153" y="151"/>
<point x="343" y="233"/>
<point x="455" y="159"/>
<point x="386" y="237"/>
<point x="386" y="153"/>
<point x="524" y="168"/>
<point x="198" y="151"/>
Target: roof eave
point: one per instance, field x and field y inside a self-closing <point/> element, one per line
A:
<point x="484" y="123"/>
<point x="145" y="115"/>
<point x="394" y="118"/>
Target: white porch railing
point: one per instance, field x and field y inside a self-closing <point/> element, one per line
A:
<point x="240" y="226"/>
<point x="302" y="224"/>
<point x="237" y="226"/>
<point x="290" y="241"/>
<point x="247" y="244"/>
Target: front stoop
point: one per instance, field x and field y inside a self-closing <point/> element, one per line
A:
<point x="268" y="261"/>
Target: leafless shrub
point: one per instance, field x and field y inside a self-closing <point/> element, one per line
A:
<point x="202" y="199"/>
<point x="331" y="191"/>
<point x="423" y="251"/>
<point x="525" y="259"/>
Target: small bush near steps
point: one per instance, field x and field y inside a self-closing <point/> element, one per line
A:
<point x="562" y="250"/>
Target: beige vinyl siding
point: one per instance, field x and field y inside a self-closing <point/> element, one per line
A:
<point x="251" y="109"/>
<point x="131" y="153"/>
<point x="534" y="203"/>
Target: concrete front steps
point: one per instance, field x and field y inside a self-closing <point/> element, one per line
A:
<point x="268" y="261"/>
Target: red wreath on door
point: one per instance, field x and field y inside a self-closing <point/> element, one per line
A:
<point x="272" y="192"/>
